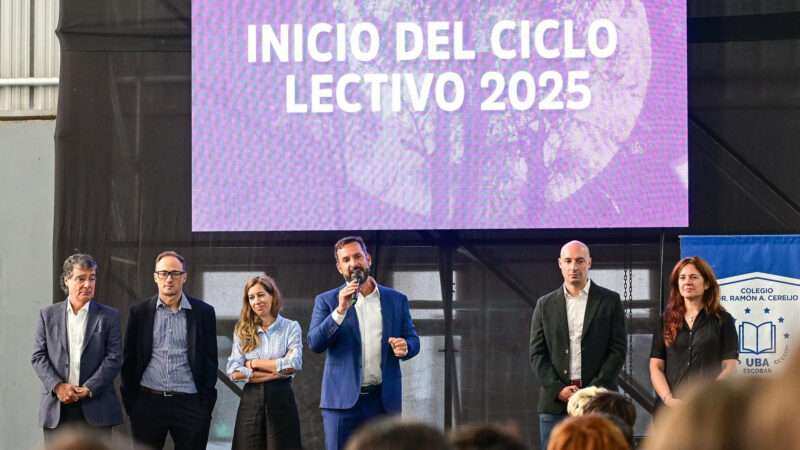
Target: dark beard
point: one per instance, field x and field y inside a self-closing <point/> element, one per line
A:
<point x="364" y="270"/>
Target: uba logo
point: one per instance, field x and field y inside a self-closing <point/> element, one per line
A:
<point x="766" y="309"/>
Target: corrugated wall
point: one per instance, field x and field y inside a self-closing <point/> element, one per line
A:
<point x="28" y="51"/>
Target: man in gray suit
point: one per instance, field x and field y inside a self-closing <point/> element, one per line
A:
<point x="77" y="354"/>
<point x="577" y="338"/>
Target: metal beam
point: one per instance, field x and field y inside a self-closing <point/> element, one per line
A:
<point x="760" y="27"/>
<point x="5" y="82"/>
<point x="450" y="373"/>
<point x="757" y="186"/>
<point x="222" y="376"/>
<point x="504" y="276"/>
<point x="637" y="392"/>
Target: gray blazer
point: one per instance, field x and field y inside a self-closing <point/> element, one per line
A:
<point x="101" y="360"/>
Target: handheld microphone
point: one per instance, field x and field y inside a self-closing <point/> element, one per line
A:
<point x="359" y="277"/>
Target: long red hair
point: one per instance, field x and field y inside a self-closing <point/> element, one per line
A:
<point x="676" y="309"/>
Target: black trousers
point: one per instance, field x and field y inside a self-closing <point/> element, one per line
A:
<point x="72" y="417"/>
<point x="267" y="417"/>
<point x="187" y="418"/>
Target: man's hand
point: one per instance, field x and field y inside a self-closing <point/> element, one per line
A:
<point x="66" y="393"/>
<point x="399" y="346"/>
<point x="82" y="392"/>
<point x="346" y="297"/>
<point x="567" y="392"/>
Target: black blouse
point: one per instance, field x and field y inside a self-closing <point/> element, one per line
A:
<point x="698" y="352"/>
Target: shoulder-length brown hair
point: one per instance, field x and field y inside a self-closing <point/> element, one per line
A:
<point x="247" y="326"/>
<point x="675" y="311"/>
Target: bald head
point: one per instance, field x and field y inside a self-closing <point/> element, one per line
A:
<point x="575" y="263"/>
<point x="573" y="246"/>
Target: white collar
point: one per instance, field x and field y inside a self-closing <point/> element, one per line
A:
<point x="584" y="290"/>
<point x="84" y="309"/>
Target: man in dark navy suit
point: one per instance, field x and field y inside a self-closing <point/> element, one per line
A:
<point x="366" y="330"/>
<point x="170" y="362"/>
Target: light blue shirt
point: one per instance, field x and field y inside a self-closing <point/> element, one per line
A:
<point x="169" y="368"/>
<point x="281" y="341"/>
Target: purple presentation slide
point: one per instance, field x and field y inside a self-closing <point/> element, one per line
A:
<point x="409" y="114"/>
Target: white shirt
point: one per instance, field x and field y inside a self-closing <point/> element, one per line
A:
<point x="76" y="331"/>
<point x="370" y="324"/>
<point x="576" y="311"/>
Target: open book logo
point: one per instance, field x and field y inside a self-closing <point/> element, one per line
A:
<point x="765" y="309"/>
<point x="757" y="339"/>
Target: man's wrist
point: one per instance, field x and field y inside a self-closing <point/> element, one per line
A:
<point x="337" y="316"/>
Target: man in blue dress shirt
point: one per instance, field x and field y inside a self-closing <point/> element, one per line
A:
<point x="170" y="362"/>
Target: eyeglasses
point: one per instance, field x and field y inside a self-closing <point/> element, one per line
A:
<point x="164" y="274"/>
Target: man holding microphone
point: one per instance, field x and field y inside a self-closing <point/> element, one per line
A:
<point x="366" y="330"/>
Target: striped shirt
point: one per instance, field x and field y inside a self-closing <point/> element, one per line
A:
<point x="169" y="368"/>
<point x="281" y="341"/>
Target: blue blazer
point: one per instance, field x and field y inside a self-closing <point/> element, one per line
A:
<point x="101" y="361"/>
<point x="341" y="378"/>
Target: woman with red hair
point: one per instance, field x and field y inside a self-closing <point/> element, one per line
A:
<point x="589" y="432"/>
<point x="697" y="337"/>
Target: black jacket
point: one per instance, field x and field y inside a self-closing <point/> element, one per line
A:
<point x="603" y="344"/>
<point x="201" y="329"/>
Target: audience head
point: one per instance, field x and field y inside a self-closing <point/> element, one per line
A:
<point x="613" y="404"/>
<point x="486" y="437"/>
<point x="627" y="431"/>
<point x="77" y="439"/>
<point x="713" y="416"/>
<point x="587" y="432"/>
<point x="396" y="433"/>
<point x="772" y="420"/>
<point x="581" y="398"/>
